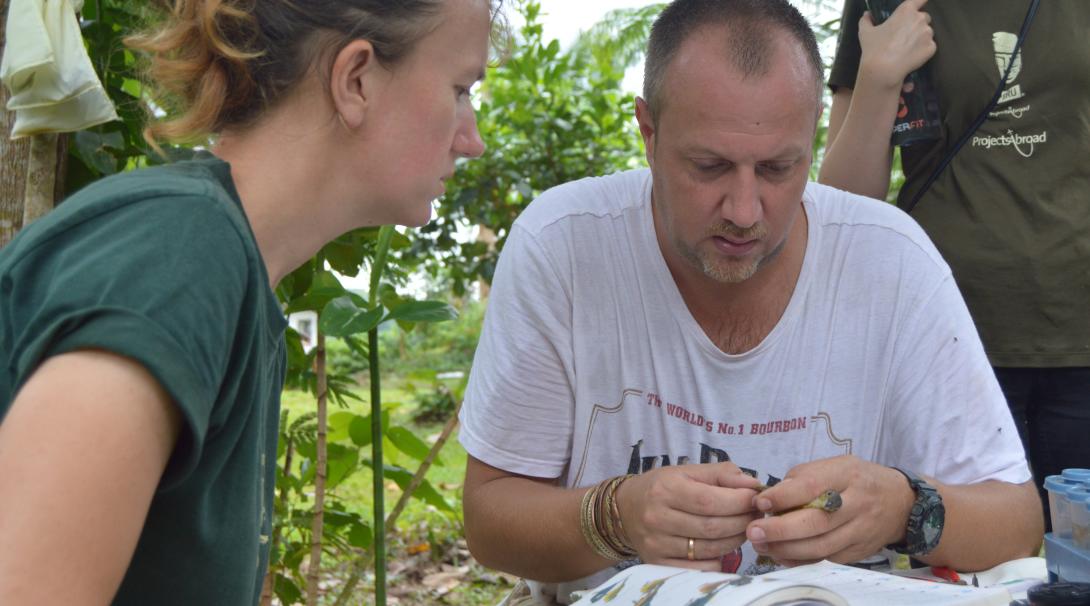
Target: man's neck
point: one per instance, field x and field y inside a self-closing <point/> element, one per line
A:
<point x="738" y="316"/>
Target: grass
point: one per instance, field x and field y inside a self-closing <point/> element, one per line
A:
<point x="426" y="538"/>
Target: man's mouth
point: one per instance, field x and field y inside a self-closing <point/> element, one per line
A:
<point x="734" y="246"/>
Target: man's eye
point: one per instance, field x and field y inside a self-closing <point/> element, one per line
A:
<point x="709" y="167"/>
<point x="776" y="169"/>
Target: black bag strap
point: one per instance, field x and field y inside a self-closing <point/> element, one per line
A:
<point x="908" y="206"/>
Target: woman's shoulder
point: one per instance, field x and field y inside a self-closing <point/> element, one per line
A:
<point x="202" y="178"/>
<point x="158" y="205"/>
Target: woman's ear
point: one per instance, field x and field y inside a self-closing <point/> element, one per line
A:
<point x="354" y="81"/>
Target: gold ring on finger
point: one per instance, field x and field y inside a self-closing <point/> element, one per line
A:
<point x="691" y="554"/>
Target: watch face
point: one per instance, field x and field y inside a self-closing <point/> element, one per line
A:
<point x="932" y="526"/>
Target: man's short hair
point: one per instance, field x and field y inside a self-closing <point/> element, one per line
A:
<point x="750" y="24"/>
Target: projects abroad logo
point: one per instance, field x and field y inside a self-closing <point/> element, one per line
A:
<point x="1025" y="145"/>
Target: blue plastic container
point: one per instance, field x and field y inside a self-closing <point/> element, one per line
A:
<point x="1077" y="474"/>
<point x="1065" y="562"/>
<point x="1078" y="501"/>
<point x="1058" y="505"/>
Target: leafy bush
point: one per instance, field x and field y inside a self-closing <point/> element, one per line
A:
<point x="438" y="347"/>
<point x="435" y="406"/>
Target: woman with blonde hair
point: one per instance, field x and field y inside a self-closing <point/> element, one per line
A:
<point x="141" y="341"/>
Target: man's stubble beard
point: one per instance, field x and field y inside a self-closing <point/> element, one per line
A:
<point x="725" y="270"/>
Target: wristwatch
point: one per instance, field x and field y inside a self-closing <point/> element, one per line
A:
<point x="925" y="521"/>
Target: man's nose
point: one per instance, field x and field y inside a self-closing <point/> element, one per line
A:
<point x="742" y="200"/>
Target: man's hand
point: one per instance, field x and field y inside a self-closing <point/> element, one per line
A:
<point x="876" y="501"/>
<point x="901" y="44"/>
<point x="710" y="503"/>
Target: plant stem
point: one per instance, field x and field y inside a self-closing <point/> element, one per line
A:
<point x="385" y="235"/>
<point x="319" y="476"/>
<point x="377" y="469"/>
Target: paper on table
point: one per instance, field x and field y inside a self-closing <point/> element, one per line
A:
<point x="860" y="586"/>
<point x="821" y="583"/>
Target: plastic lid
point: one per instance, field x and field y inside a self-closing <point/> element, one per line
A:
<point x="1060" y="484"/>
<point x="1076" y="473"/>
<point x="1059" y="594"/>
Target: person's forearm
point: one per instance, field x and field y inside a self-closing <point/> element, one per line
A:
<point x="988" y="524"/>
<point x="858" y="154"/>
<point x="530" y="529"/>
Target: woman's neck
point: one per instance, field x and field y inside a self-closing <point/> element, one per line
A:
<point x="287" y="175"/>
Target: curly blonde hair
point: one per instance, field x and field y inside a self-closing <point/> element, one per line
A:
<point x="220" y="64"/>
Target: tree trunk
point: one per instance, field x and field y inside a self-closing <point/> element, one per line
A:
<point x="319" y="477"/>
<point x="13" y="158"/>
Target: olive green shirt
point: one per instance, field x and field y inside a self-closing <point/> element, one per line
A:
<point x="1011" y="213"/>
<point x="160" y="265"/>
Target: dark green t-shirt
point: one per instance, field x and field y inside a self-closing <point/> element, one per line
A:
<point x="160" y="265"/>
<point x="1011" y="214"/>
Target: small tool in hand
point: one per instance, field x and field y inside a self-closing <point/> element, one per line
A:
<point x="828" y="501"/>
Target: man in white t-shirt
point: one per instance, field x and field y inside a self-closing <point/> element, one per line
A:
<point x="715" y="323"/>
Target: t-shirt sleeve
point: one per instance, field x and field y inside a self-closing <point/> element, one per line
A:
<point x="846" y="62"/>
<point x="951" y="418"/>
<point x="161" y="282"/>
<point x="519" y="402"/>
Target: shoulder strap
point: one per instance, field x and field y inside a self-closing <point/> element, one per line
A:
<point x="908" y="206"/>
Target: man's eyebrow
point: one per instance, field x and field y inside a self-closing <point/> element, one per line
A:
<point x="788" y="153"/>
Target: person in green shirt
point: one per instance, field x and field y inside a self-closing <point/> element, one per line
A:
<point x="1010" y="211"/>
<point x="141" y="343"/>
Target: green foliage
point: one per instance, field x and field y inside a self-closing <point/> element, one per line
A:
<point x="343" y="532"/>
<point x="435" y="405"/>
<point x="419" y="353"/>
<point x="547" y="116"/>
<point x="346" y="534"/>
<point x="115" y="146"/>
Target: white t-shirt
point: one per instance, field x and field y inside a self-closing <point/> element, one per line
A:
<point x="590" y="364"/>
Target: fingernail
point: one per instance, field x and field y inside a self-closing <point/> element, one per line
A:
<point x="764" y="504"/>
<point x="757" y="534"/>
<point x="760" y="547"/>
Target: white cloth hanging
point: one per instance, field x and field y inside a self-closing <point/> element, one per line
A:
<point x="53" y="85"/>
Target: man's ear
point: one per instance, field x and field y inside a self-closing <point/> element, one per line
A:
<point x="647" y="129"/>
<point x="354" y="81"/>
<point x="820" y="110"/>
